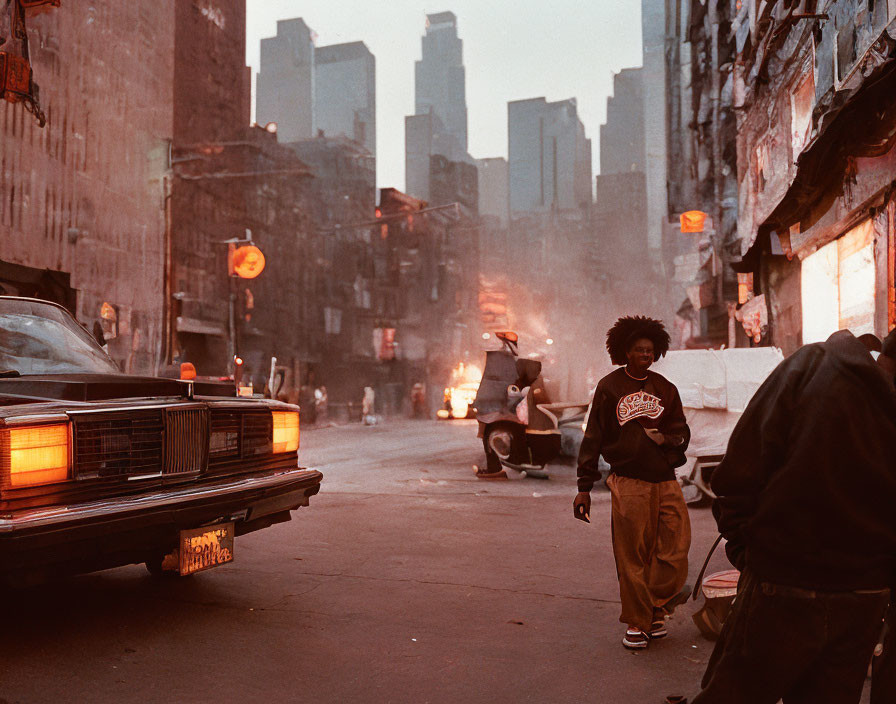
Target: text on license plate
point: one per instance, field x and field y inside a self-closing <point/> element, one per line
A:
<point x="206" y="547"/>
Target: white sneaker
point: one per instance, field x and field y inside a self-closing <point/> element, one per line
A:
<point x="635" y="639"/>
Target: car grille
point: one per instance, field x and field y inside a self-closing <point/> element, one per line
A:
<point x="239" y="435"/>
<point x="170" y="441"/>
<point x="186" y="440"/>
<point x="117" y="444"/>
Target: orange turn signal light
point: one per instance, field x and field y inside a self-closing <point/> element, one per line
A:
<point x="36" y="455"/>
<point x="286" y="431"/>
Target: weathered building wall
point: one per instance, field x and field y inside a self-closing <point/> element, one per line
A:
<point x="211" y="77"/>
<point x="816" y="166"/>
<point x="767" y="150"/>
<point x="230" y="178"/>
<point x="427" y="283"/>
<point x="701" y="163"/>
<point x="282" y="315"/>
<point x="342" y="205"/>
<point x="86" y="194"/>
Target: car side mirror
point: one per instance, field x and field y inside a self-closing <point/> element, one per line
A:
<point x="98" y="333"/>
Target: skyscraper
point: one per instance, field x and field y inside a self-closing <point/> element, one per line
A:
<point x="440" y="85"/>
<point x="622" y="135"/>
<point x="285" y="92"/>
<point x="345" y="93"/>
<point x="549" y="157"/>
<point x="439" y="126"/>
<point x="493" y="188"/>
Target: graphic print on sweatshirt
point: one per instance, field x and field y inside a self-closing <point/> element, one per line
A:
<point x="638" y="405"/>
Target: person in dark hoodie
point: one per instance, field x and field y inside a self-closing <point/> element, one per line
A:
<point x="637" y="423"/>
<point x="807" y="492"/>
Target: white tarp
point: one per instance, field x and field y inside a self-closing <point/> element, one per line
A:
<point x="718" y="379"/>
<point x="715" y="388"/>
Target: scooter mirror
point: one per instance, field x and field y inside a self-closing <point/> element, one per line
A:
<point x="508" y="336"/>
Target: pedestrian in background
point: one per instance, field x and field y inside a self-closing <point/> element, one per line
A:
<point x="637" y="423"/>
<point x="368" y="406"/>
<point x="806" y="495"/>
<point x="321" y="405"/>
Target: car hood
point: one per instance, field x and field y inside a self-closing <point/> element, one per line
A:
<point x="86" y="387"/>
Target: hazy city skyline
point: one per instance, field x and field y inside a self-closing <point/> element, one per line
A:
<point x="510" y="52"/>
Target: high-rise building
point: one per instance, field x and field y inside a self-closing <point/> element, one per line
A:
<point x="285" y="88"/>
<point x="418" y="134"/>
<point x="549" y="158"/>
<point x="440" y="86"/>
<point x="439" y="125"/>
<point x="493" y="188"/>
<point x="654" y="41"/>
<point x="622" y="135"/>
<point x="620" y="204"/>
<point x="345" y="93"/>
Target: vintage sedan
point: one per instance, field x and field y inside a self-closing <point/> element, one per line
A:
<point x="100" y="469"/>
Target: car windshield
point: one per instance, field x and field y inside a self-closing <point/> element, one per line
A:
<point x="38" y="338"/>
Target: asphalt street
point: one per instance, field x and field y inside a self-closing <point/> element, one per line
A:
<point x="406" y="580"/>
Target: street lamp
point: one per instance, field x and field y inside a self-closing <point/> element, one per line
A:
<point x="244" y="261"/>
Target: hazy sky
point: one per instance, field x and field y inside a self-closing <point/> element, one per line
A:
<point x="512" y="50"/>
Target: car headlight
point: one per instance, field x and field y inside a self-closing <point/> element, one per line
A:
<point x="35" y="455"/>
<point x="286" y="431"/>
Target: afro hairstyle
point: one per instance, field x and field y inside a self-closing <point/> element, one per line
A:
<point x="630" y="328"/>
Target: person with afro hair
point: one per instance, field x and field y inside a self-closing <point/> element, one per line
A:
<point x="637" y="423"/>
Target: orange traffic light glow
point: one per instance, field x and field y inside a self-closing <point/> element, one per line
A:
<point x="693" y="221"/>
<point x="36" y="455"/>
<point x="286" y="431"/>
<point x="248" y="261"/>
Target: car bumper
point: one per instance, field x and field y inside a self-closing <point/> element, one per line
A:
<point x="112" y="532"/>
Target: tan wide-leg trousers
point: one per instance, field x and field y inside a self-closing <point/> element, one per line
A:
<point x="651" y="538"/>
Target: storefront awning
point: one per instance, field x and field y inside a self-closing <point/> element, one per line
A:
<point x="865" y="126"/>
<point x="200" y="327"/>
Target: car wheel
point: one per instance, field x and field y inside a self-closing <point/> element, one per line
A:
<point x="154" y="567"/>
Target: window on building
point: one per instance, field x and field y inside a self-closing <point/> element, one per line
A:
<point x="838" y="291"/>
<point x="846" y="54"/>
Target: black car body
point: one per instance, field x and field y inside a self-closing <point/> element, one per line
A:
<point x="100" y="469"/>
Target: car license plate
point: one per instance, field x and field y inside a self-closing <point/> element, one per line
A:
<point x="204" y="548"/>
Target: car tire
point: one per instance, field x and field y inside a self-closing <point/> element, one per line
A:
<point x="154" y="567"/>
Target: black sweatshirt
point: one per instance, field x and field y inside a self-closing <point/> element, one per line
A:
<point x="808" y="485"/>
<point x="621" y="410"/>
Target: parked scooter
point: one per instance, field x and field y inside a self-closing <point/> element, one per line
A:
<point x="515" y="432"/>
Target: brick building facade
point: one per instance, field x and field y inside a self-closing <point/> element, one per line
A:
<point x="85" y="196"/>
